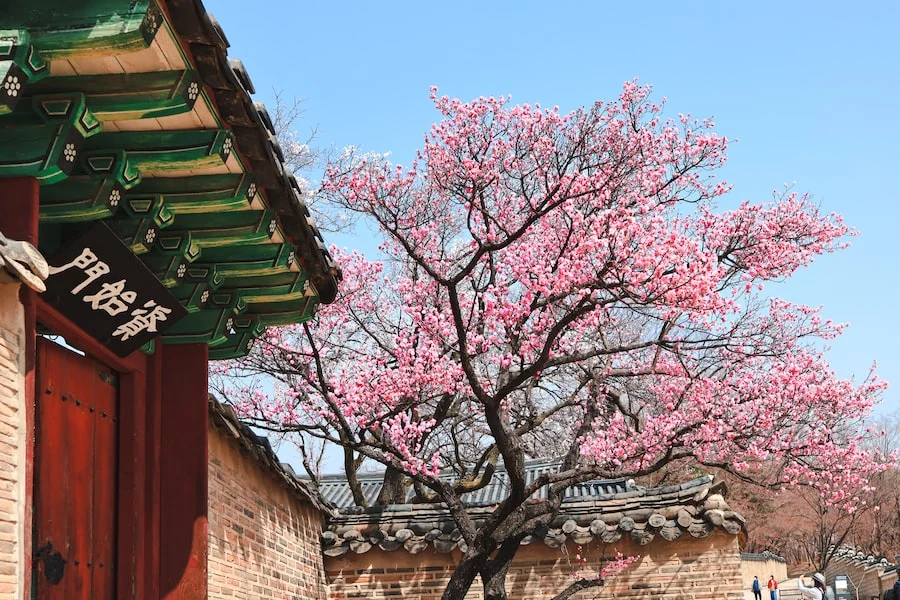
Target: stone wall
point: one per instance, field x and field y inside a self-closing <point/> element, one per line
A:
<point x="685" y="569"/>
<point x="263" y="537"/>
<point x="871" y="579"/>
<point x="762" y="566"/>
<point x="12" y="439"/>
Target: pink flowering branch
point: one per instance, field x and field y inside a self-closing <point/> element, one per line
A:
<point x="610" y="570"/>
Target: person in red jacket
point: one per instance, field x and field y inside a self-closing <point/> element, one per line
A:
<point x="773" y="588"/>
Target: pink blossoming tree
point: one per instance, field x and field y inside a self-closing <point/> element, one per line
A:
<point x="565" y="285"/>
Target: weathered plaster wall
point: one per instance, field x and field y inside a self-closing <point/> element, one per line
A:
<point x="263" y="538"/>
<point x="762" y="567"/>
<point x="686" y="569"/>
<point x="12" y="440"/>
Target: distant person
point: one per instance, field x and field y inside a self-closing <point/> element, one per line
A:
<point x="757" y="590"/>
<point x="819" y="591"/>
<point x="773" y="588"/>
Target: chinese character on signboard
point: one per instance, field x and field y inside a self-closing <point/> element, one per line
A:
<point x="106" y="290"/>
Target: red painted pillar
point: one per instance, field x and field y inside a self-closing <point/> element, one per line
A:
<point x="183" y="472"/>
<point x="153" y="424"/>
<point x="19" y="208"/>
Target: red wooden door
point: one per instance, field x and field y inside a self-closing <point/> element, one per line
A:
<point x="75" y="476"/>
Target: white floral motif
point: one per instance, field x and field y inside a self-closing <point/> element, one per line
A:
<point x="69" y="152"/>
<point x="150" y="236"/>
<point x="204" y="296"/>
<point x="226" y="146"/>
<point x="12" y="86"/>
<point x="182" y="269"/>
<point x="153" y="20"/>
<point x="251" y="191"/>
<point x="114" y="197"/>
<point x="291" y="258"/>
<point x="193" y="91"/>
<point x="229" y="324"/>
<point x="272" y="225"/>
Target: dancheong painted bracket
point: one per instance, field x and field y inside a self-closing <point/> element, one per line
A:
<point x="130" y="113"/>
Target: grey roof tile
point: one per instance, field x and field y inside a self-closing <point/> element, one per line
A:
<point x="336" y="490"/>
<point x="696" y="508"/>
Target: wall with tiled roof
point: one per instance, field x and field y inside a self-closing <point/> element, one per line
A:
<point x="762" y="565"/>
<point x="873" y="575"/>
<point x="688" y="568"/>
<point x="264" y="525"/>
<point x="686" y="538"/>
<point x="693" y="509"/>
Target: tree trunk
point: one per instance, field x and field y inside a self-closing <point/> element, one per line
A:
<point x="392" y="489"/>
<point x="494" y="581"/>
<point x="359" y="498"/>
<point x="462" y="578"/>
<point x="493" y="573"/>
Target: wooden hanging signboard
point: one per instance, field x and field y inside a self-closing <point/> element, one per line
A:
<point x="106" y="290"/>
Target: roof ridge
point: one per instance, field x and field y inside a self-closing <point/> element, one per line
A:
<point x="667" y="511"/>
<point x="223" y="416"/>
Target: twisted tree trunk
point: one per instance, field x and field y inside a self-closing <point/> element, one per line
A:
<point x="463" y="577"/>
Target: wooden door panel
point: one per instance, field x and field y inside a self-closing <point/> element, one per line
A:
<point x="78" y="488"/>
<point x="52" y="456"/>
<point x="75" y="476"/>
<point x="103" y="554"/>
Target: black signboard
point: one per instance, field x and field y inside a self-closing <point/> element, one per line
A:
<point x="106" y="290"/>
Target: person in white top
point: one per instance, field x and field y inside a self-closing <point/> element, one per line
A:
<point x="819" y="591"/>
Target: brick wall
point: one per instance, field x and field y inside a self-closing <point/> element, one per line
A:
<point x="12" y="440"/>
<point x="686" y="569"/>
<point x="263" y="538"/>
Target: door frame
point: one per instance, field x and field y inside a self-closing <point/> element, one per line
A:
<point x="140" y="395"/>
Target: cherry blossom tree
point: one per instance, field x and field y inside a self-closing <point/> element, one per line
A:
<point x="564" y="284"/>
<point x="808" y="531"/>
<point x="878" y="531"/>
<point x="804" y="528"/>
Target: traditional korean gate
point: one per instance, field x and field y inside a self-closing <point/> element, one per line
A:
<point x="75" y="476"/>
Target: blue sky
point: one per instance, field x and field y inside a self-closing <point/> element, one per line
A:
<point x="810" y="90"/>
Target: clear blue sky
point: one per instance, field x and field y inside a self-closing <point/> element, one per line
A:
<point x="810" y="89"/>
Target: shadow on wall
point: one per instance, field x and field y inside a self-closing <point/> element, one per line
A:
<point x="683" y="568"/>
<point x="263" y="541"/>
<point x="554" y="575"/>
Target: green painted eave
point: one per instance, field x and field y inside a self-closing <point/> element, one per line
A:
<point x="94" y="190"/>
<point x="201" y="194"/>
<point x="125" y="96"/>
<point x="20" y="66"/>
<point x="64" y="28"/>
<point x="44" y="138"/>
<point x="150" y="154"/>
<point x="173" y="151"/>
